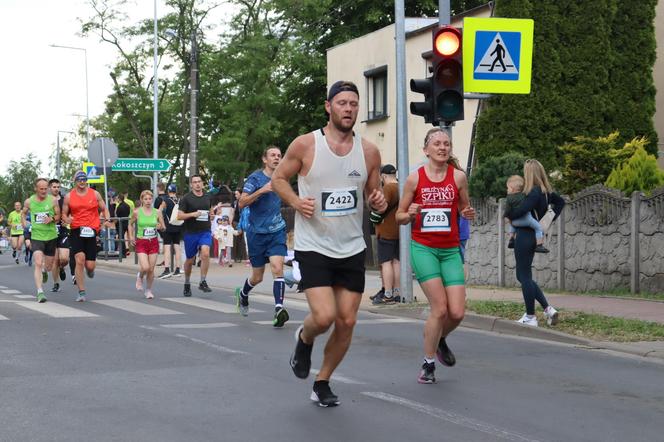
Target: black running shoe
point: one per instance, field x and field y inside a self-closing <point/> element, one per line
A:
<point x="300" y="360"/>
<point x="378" y="294"/>
<point x="280" y="317"/>
<point x="427" y="374"/>
<point x="323" y="395"/>
<point x="444" y="354"/>
<point x="187" y="289"/>
<point x="13" y="253"/>
<point x="204" y="287"/>
<point x="63" y="275"/>
<point x="56" y="288"/>
<point x="176" y="272"/>
<point x="165" y="274"/>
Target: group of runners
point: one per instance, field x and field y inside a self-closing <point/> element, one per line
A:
<point x="338" y="173"/>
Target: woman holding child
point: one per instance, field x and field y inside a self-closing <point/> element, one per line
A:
<point x="538" y="196"/>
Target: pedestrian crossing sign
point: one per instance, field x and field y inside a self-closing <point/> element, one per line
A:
<point x="497" y="55"/>
<point x="94" y="175"/>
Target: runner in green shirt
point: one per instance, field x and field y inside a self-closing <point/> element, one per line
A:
<point x="44" y="213"/>
<point x="16" y="230"/>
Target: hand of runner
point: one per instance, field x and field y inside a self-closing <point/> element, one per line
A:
<point x="306" y="206"/>
<point x="377" y="201"/>
<point x="267" y="188"/>
<point x="413" y="210"/>
<point x="468" y="213"/>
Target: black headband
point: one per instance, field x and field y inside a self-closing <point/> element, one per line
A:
<point x="341" y="86"/>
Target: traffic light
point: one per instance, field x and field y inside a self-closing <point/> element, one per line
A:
<point x="423" y="108"/>
<point x="447" y="80"/>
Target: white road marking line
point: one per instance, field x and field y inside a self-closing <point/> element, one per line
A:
<point x="3" y="287"/>
<point x="4" y="318"/>
<point x="8" y="266"/>
<point x="55" y="310"/>
<point x="24" y="296"/>
<point x="288" y="303"/>
<point x="209" y="305"/>
<point x="11" y="292"/>
<point x="217" y="347"/>
<point x="341" y="378"/>
<point x="209" y="325"/>
<point x="448" y="416"/>
<point x="139" y="308"/>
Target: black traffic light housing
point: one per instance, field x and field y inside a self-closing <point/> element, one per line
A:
<point x="423" y="108"/>
<point x="447" y="80"/>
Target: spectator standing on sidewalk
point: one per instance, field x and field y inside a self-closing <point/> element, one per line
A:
<point x="172" y="235"/>
<point x="387" y="234"/>
<point x="539" y="194"/>
<point x="123" y="211"/>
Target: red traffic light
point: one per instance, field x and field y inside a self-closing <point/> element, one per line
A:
<point x="447" y="41"/>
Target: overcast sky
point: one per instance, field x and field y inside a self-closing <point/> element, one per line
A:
<point x="42" y="87"/>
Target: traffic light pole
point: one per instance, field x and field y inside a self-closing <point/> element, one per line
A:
<point x="443" y="12"/>
<point x="406" y="274"/>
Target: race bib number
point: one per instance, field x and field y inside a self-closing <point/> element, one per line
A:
<point x="204" y="216"/>
<point x="436" y="220"/>
<point x="18" y="227"/>
<point x="57" y="228"/>
<point x="339" y="202"/>
<point x="87" y="232"/>
<point x="149" y="232"/>
<point x="40" y="218"/>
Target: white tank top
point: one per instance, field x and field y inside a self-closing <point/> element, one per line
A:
<point x="337" y="185"/>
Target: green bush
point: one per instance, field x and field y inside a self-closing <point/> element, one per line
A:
<point x="490" y="176"/>
<point x="639" y="173"/>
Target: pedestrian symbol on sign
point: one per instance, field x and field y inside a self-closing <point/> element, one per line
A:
<point x="500" y="59"/>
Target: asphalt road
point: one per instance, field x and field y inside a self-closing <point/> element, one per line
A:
<point x="119" y="367"/>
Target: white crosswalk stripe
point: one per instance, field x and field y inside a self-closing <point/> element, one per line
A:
<point x="290" y="304"/>
<point x="208" y="325"/>
<point x="139" y="308"/>
<point x="209" y="305"/>
<point x="3" y="318"/>
<point x="10" y="292"/>
<point x="24" y="296"/>
<point x="55" y="310"/>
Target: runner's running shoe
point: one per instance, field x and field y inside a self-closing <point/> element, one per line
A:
<point x="90" y="273"/>
<point x="280" y="317"/>
<point x="63" y="275"/>
<point x="444" y="354"/>
<point x="41" y="297"/>
<point x="56" y="288"/>
<point x="187" y="289"/>
<point x="81" y="296"/>
<point x="204" y="287"/>
<point x="323" y="395"/>
<point x="241" y="302"/>
<point x="427" y="374"/>
<point x="300" y="360"/>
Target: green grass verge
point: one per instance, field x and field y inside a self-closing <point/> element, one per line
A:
<point x="614" y="293"/>
<point x="587" y="325"/>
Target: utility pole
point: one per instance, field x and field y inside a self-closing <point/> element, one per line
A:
<point x="193" y="122"/>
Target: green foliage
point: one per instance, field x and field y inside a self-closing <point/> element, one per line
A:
<point x="489" y="178"/>
<point x="589" y="161"/>
<point x="639" y="173"/>
<point x="18" y="183"/>
<point x="592" y="75"/>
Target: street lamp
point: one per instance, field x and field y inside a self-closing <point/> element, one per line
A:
<point x="193" y="102"/>
<point x="155" y="111"/>
<point x="57" y="152"/>
<point x="87" y="102"/>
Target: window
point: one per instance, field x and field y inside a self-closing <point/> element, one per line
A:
<point x="377" y="93"/>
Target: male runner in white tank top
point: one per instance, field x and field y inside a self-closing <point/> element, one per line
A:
<point x="336" y="171"/>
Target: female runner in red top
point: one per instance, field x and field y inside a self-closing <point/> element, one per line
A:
<point x="433" y="197"/>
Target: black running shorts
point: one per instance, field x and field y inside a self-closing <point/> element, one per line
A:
<point x="46" y="247"/>
<point x="170" y="238"/>
<point x="85" y="245"/>
<point x="322" y="271"/>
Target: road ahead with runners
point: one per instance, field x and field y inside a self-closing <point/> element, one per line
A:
<point x="120" y="367"/>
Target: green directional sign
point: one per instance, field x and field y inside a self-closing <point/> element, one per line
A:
<point x="141" y="165"/>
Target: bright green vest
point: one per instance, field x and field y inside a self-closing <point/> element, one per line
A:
<point x="146" y="225"/>
<point x="39" y="210"/>
<point x="14" y="220"/>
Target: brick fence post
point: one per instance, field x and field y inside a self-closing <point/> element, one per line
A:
<point x="561" y="251"/>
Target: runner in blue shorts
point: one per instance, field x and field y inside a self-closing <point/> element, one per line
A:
<point x="267" y="236"/>
<point x="194" y="209"/>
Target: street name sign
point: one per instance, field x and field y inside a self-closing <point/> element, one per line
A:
<point x="497" y="55"/>
<point x="141" y="165"/>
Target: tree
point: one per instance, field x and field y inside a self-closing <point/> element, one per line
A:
<point x="639" y="173"/>
<point x="490" y="177"/>
<point x="586" y="80"/>
<point x="19" y="181"/>
<point x="71" y="160"/>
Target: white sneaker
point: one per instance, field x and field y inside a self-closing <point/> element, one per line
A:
<point x="551" y="315"/>
<point x="526" y="320"/>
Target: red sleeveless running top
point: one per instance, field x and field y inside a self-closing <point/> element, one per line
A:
<point x="84" y="209"/>
<point x="436" y="225"/>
